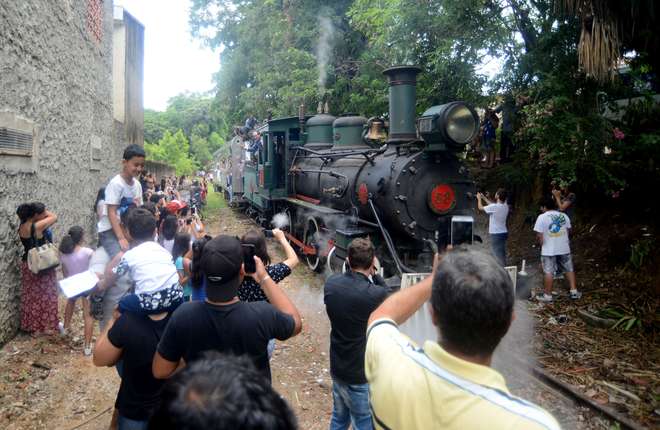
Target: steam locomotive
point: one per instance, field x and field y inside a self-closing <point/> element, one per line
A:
<point x="338" y="178"/>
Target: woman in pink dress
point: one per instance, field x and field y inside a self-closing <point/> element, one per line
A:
<point x="38" y="292"/>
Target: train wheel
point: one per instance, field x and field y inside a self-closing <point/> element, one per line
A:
<point x="312" y="232"/>
<point x="334" y="263"/>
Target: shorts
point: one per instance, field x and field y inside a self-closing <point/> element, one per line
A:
<point x="165" y="300"/>
<point x="487" y="144"/>
<point x="551" y="263"/>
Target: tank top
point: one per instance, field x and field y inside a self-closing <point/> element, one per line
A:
<point x="32" y="241"/>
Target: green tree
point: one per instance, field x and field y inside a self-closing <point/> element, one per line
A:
<point x="201" y="151"/>
<point x="172" y="149"/>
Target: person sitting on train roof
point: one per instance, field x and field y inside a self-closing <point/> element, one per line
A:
<point x="251" y="122"/>
<point x="255" y="142"/>
<point x="448" y="384"/>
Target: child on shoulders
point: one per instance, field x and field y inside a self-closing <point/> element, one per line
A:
<point x="149" y="266"/>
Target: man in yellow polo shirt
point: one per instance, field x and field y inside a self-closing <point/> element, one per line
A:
<point x="449" y="384"/>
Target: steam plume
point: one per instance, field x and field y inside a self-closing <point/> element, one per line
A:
<point x="324" y="50"/>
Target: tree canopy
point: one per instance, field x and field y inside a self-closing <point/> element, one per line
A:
<point x="279" y="54"/>
<point x="186" y="134"/>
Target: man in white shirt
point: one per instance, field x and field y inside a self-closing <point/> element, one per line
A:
<point x="552" y="228"/>
<point x="497" y="214"/>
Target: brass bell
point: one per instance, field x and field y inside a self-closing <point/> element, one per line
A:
<point x="376" y="130"/>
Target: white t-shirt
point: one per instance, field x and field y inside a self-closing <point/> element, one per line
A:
<point x="101" y="209"/>
<point x="554" y="226"/>
<point x="119" y="193"/>
<point x="150" y="266"/>
<point x="497" y="213"/>
<point x="168" y="245"/>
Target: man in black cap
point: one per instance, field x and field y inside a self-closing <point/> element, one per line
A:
<point x="223" y="323"/>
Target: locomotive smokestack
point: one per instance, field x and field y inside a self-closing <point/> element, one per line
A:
<point x="402" y="100"/>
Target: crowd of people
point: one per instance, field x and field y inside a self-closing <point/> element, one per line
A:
<point x="189" y="320"/>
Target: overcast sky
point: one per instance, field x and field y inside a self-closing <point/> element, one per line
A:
<point x="173" y="61"/>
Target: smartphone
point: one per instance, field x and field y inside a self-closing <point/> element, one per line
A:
<point x="462" y="230"/>
<point x="248" y="258"/>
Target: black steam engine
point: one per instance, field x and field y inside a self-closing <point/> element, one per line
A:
<point x="341" y="178"/>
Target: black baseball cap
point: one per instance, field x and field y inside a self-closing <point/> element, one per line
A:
<point x="221" y="262"/>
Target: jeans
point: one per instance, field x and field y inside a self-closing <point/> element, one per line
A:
<point x="128" y="424"/>
<point x="350" y="405"/>
<point x="199" y="293"/>
<point x="498" y="244"/>
<point x="108" y="240"/>
<point x="271" y="348"/>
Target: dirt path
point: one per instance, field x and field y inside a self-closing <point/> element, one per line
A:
<point x="46" y="383"/>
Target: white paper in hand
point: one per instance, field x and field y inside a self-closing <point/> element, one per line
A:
<point x="77" y="284"/>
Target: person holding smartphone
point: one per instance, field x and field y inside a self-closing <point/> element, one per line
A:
<point x="222" y="322"/>
<point x="254" y="243"/>
<point x="497" y="213"/>
<point x="249" y="290"/>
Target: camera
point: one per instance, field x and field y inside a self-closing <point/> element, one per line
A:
<point x="268" y="233"/>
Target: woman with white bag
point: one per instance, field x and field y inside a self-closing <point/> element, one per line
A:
<point x="39" y="290"/>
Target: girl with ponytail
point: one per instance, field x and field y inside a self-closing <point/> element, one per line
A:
<point x="75" y="259"/>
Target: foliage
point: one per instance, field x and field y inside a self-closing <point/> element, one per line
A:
<point x="611" y="28"/>
<point x="173" y="150"/>
<point x="279" y="54"/>
<point x="625" y="318"/>
<point x="195" y="116"/>
<point x="639" y="253"/>
<point x="562" y="143"/>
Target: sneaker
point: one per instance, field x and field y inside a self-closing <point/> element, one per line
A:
<point x="60" y="327"/>
<point x="87" y="350"/>
<point x="542" y="297"/>
<point x="575" y="295"/>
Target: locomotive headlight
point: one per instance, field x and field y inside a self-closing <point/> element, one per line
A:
<point x="448" y="126"/>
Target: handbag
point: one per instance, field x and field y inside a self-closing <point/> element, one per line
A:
<point x="42" y="258"/>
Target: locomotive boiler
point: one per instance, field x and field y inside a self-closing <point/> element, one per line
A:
<point x="339" y="178"/>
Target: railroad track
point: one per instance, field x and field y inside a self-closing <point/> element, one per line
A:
<point x="520" y="371"/>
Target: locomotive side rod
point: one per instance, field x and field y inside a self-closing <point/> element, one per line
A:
<point x="390" y="245"/>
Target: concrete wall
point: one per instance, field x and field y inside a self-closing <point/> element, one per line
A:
<point x="128" y="75"/>
<point x="161" y="170"/>
<point x="55" y="82"/>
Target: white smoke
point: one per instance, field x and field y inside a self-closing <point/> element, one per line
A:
<point x="324" y="50"/>
<point x="280" y="220"/>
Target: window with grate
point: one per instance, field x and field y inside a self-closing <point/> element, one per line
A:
<point x="16" y="142"/>
<point x="95" y="19"/>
